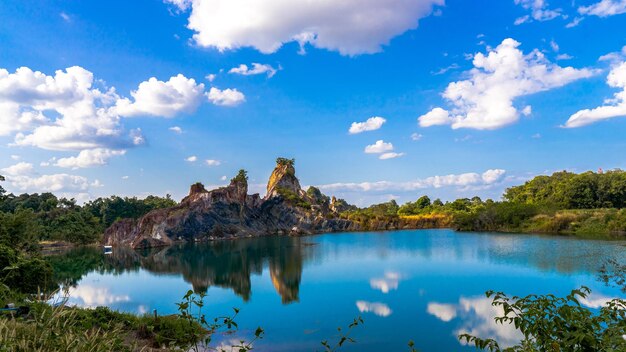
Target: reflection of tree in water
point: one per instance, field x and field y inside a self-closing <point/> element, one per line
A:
<point x="72" y="265"/>
<point x="613" y="274"/>
<point x="227" y="264"/>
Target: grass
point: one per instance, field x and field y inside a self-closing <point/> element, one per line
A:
<point x="62" y="328"/>
<point x="431" y="220"/>
<point x="590" y="223"/>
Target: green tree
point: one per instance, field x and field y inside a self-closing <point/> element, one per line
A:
<point x="422" y="202"/>
<point x="285" y="161"/>
<point x="241" y="177"/>
<point x="20" y="230"/>
<point x="78" y="226"/>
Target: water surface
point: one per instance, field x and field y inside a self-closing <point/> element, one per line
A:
<point x="421" y="285"/>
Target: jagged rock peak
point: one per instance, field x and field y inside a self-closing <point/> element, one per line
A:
<point x="283" y="179"/>
<point x="240" y="184"/>
<point x="197" y="188"/>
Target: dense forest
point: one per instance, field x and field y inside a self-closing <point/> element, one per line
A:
<point x="587" y="204"/>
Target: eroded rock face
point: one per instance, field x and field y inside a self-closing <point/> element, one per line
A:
<point x="229" y="212"/>
<point x="283" y="178"/>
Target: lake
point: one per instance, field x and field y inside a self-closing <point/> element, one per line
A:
<point x="421" y="285"/>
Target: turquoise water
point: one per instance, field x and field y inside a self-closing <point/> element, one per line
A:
<point x="421" y="285"/>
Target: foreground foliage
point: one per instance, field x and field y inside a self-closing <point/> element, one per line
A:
<point x="551" y="323"/>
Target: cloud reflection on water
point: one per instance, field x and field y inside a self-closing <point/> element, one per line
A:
<point x="378" y="308"/>
<point x="477" y="318"/>
<point x="445" y="312"/>
<point x="596" y="300"/>
<point x="387" y="283"/>
<point x="92" y="296"/>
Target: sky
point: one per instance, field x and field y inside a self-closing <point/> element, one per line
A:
<point x="375" y="99"/>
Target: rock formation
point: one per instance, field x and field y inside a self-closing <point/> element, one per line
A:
<point x="229" y="212"/>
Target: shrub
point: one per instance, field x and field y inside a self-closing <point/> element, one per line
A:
<point x="550" y="323"/>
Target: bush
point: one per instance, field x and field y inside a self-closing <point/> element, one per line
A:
<point x="29" y="275"/>
<point x="293" y="198"/>
<point x="550" y="323"/>
<point x="7" y="258"/>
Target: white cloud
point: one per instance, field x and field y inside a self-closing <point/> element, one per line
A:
<point x="555" y="46"/>
<point x="211" y="162"/>
<point x="211" y="77"/>
<point x="223" y="178"/>
<point x="615" y="107"/>
<point x="71" y="111"/>
<point x="527" y="110"/>
<point x="521" y="20"/>
<point x="19" y="169"/>
<point x="176" y="129"/>
<point x="182" y="5"/>
<point x="390" y="155"/>
<point x="435" y="117"/>
<point x="487" y="178"/>
<point x="416" y="136"/>
<point x="444" y="312"/>
<point x="492" y="176"/>
<point x="192" y="159"/>
<point x="485" y="100"/>
<point x="539" y="11"/>
<point x="604" y="8"/>
<point x="615" y="57"/>
<point x="443" y="70"/>
<point x="60" y="112"/>
<point x="575" y="22"/>
<point x="379" y="147"/>
<point x="15" y="157"/>
<point x="380" y="309"/>
<point x="226" y="97"/>
<point x="48" y="163"/>
<point x="564" y="57"/>
<point x="22" y="177"/>
<point x="351" y="26"/>
<point x="126" y="177"/>
<point x="89" y="158"/>
<point x="371" y="124"/>
<point x="257" y="69"/>
<point x="65" y="17"/>
<point x="51" y="183"/>
<point x="166" y="99"/>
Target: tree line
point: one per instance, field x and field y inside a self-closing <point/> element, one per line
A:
<point x="586" y="204"/>
<point x="26" y="220"/>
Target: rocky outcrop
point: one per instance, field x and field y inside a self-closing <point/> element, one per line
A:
<point x="283" y="180"/>
<point x="229" y="212"/>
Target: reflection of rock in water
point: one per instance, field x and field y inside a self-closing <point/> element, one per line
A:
<point x="230" y="264"/>
<point x="227" y="264"/>
<point x="286" y="271"/>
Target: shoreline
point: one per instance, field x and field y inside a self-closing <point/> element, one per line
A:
<point x="59" y="247"/>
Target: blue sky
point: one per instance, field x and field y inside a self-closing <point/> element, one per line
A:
<point x="528" y="74"/>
